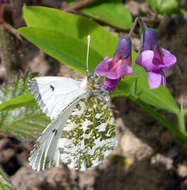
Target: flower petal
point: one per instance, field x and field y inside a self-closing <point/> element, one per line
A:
<point x="126" y="68"/>
<point x="145" y="59"/>
<point x="119" y="68"/>
<point x="103" y="67"/>
<point x="155" y="79"/>
<point x="110" y="84"/>
<point x="168" y="59"/>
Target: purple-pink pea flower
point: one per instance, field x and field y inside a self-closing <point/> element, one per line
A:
<point x="154" y="59"/>
<point x="118" y="66"/>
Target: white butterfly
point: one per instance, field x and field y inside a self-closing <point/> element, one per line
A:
<point x="82" y="131"/>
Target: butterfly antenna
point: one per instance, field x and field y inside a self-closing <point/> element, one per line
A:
<point x="87" y="55"/>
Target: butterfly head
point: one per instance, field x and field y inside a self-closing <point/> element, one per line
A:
<point x="95" y="84"/>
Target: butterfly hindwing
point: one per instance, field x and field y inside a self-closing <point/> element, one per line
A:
<point x="89" y="134"/>
<point x="45" y="153"/>
<point x="53" y="94"/>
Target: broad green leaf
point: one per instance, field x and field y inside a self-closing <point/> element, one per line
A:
<point x="112" y="12"/>
<point x="160" y="97"/>
<point x="4" y="181"/>
<point x="123" y="88"/>
<point x="19" y="101"/>
<point x="78" y="27"/>
<point x="64" y="48"/>
<point x="164" y="6"/>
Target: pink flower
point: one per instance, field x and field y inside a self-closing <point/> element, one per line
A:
<point x="118" y="66"/>
<point x="153" y="59"/>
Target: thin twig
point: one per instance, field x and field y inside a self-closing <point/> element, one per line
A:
<point x="133" y="27"/>
<point x="78" y="5"/>
<point x="7" y="26"/>
<point x="12" y="30"/>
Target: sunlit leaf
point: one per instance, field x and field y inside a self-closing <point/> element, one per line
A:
<point x="19" y="101"/>
<point x="112" y="12"/>
<point x="76" y="26"/>
<point x="64" y="48"/>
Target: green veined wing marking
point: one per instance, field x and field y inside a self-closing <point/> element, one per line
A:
<point x="89" y="134"/>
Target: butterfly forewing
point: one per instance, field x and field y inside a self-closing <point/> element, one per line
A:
<point x="89" y="134"/>
<point x="54" y="94"/>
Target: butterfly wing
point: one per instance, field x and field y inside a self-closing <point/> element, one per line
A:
<point x="89" y="134"/>
<point x="57" y="97"/>
<point x="45" y="153"/>
<point x="54" y="94"/>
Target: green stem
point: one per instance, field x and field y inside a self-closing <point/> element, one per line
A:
<point x="181" y="121"/>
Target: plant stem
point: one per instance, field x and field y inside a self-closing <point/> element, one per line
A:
<point x="181" y="117"/>
<point x="133" y="27"/>
<point x="181" y="122"/>
<point x="144" y="24"/>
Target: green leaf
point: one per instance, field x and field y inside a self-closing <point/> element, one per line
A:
<point x="76" y="26"/>
<point x="19" y="101"/>
<point x="69" y="50"/>
<point x="112" y="12"/>
<point x="160" y="97"/>
<point x="19" y="113"/>
<point x="4" y="181"/>
<point x="164" y="6"/>
<point x="123" y="88"/>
